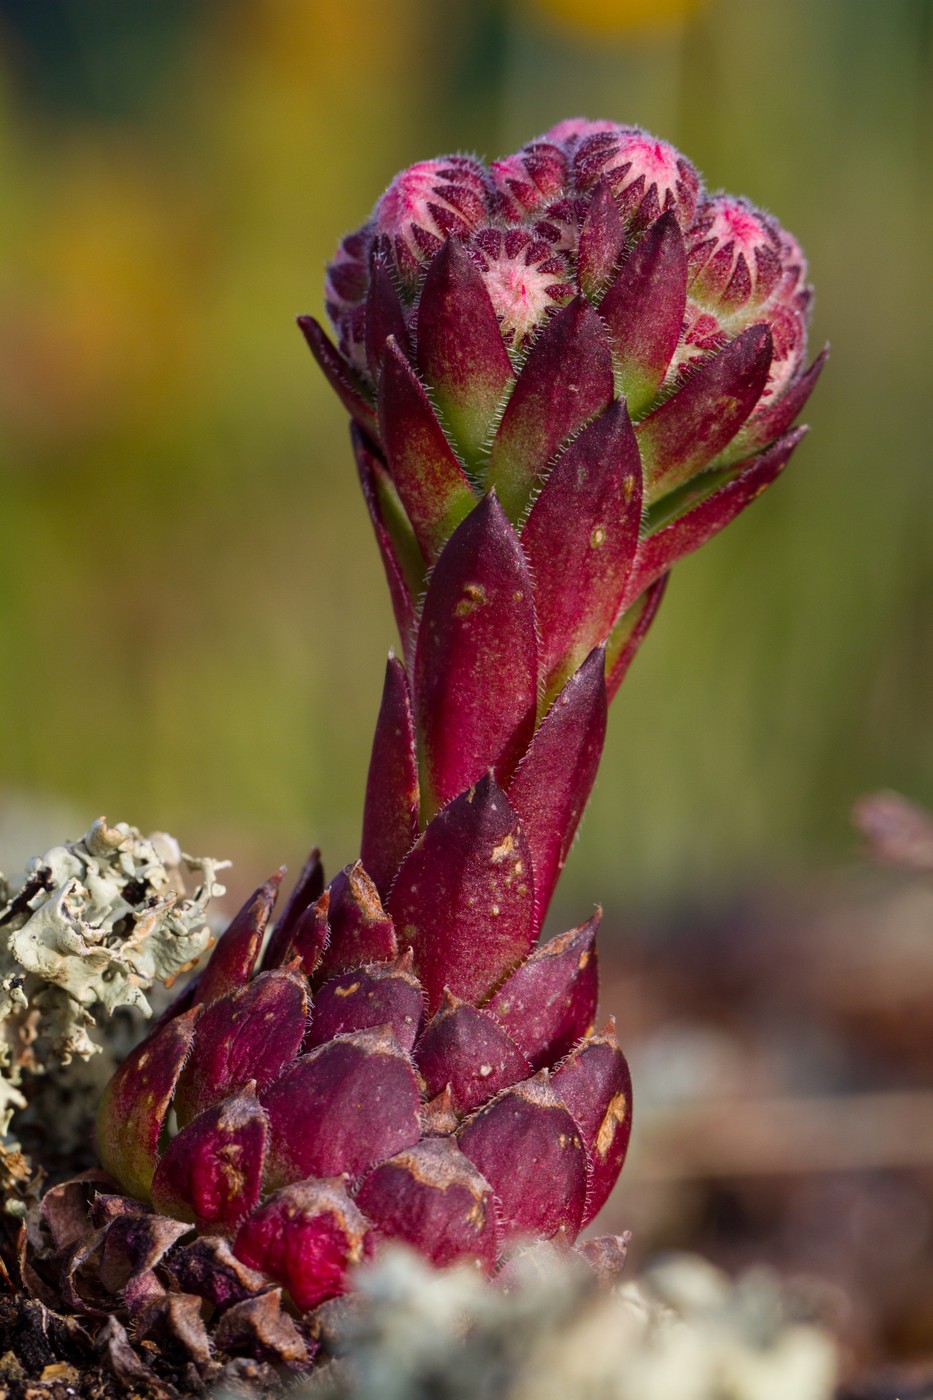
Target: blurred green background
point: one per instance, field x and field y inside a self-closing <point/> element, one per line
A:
<point x="193" y="615"/>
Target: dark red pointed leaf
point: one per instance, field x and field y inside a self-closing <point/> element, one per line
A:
<point x="476" y="640"/>
<point x="136" y="1101"/>
<point x="552" y="784"/>
<point x="384" y="318"/>
<point x="388" y="995"/>
<point x="548" y="1003"/>
<point x="431" y="483"/>
<point x="348" y="1105"/>
<point x="433" y="1198"/>
<point x="595" y="1084"/>
<point x="644" y="310"/>
<point x="253" y="1034"/>
<point x="390" y="812"/>
<point x="692" y="427"/>
<point x="460" y="349"/>
<point x="338" y="374"/>
<point x="580" y="540"/>
<point x="211" y="1173"/>
<point x="308" y="887"/>
<point x="399" y="550"/>
<point x="602" y="240"/>
<point x="232" y="961"/>
<point x="772" y="420"/>
<point x="464" y="897"/>
<point x="467" y="1051"/>
<point x="566" y="381"/>
<point x="307" y="1236"/>
<point x="629" y="633"/>
<point x="310" y="936"/>
<point x="685" y="534"/>
<point x="186" y="998"/>
<point x="528" y="1148"/>
<point x="360" y="929"/>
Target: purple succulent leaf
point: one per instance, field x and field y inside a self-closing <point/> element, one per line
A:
<point x="688" y="430"/>
<point x="595" y="1084"/>
<point x="434" y="1199"/>
<point x="360" y="929"/>
<point x="553" y="781"/>
<point x="390" y="811"/>
<point x="252" y="1034"/>
<point x="263" y="1329"/>
<point x="367" y="997"/>
<point x="464" y="896"/>
<point x="306" y="1236"/>
<point x="134" y="1243"/>
<point x="432" y="485"/>
<point x="345" y="1107"/>
<point x="468" y="1052"/>
<point x="602" y="240"/>
<point x="338" y="374"/>
<point x="644" y="311"/>
<point x="565" y="381"/>
<point x="691" y="530"/>
<point x="580" y="540"/>
<point x="461" y="354"/>
<point x="548" y="1004"/>
<point x="384" y="318"/>
<point x="211" y="1172"/>
<point x="233" y="960"/>
<point x="311" y="936"/>
<point x="172" y="1322"/>
<point x="135" y="1103"/>
<point x="401" y="555"/>
<point x="184" y="1001"/>
<point x="209" y="1268"/>
<point x="529" y="1149"/>
<point x="771" y="421"/>
<point x="307" y="888"/>
<point x="476" y="639"/>
<point x="628" y="634"/>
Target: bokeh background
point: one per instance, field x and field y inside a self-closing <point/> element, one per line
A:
<point x="193" y="616"/>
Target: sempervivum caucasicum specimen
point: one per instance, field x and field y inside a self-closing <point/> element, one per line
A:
<point x="565" y="371"/>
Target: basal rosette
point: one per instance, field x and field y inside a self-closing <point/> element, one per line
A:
<point x="337" y="1092"/>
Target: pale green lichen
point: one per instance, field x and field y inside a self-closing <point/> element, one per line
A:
<point x="683" y="1330"/>
<point x="94" y="924"/>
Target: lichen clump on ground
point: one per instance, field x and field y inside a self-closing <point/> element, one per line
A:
<point x="682" y="1329"/>
<point x="94" y="924"/>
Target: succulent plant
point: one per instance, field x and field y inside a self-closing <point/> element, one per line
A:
<point x="565" y="371"/>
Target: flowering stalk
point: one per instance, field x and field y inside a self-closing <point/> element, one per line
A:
<point x="565" y="371"/>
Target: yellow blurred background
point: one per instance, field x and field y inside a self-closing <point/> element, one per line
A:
<point x="193" y="616"/>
